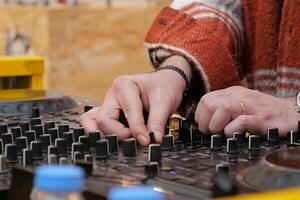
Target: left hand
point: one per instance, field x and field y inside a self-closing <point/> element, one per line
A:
<point x="240" y="109"/>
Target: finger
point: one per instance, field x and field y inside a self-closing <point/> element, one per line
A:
<point x="218" y="121"/>
<point x="203" y="116"/>
<point x="88" y="120"/>
<point x="226" y="112"/>
<point x="108" y="119"/>
<point x="112" y="126"/>
<point x="243" y="123"/>
<point x="128" y="97"/>
<point x="158" y="116"/>
<point x="88" y="123"/>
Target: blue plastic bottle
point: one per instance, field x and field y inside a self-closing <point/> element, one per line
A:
<point x="55" y="182"/>
<point x="134" y="193"/>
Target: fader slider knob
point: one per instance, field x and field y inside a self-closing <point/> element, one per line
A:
<point x="129" y="147"/>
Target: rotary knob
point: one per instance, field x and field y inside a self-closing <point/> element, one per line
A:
<point x="35" y="112"/>
<point x="113" y="143"/>
<point x="129" y="147"/>
<point x="216" y="142"/>
<point x="273" y="136"/>
<point x="292" y="138"/>
<point x="154" y="153"/>
<point x="232" y="146"/>
<point x="94" y="137"/>
<point x="240" y="137"/>
<point x="102" y="151"/>
<point x="254" y="143"/>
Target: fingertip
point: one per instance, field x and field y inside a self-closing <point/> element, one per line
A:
<point x="124" y="134"/>
<point x="141" y="134"/>
<point x="143" y="140"/>
<point x="158" y="136"/>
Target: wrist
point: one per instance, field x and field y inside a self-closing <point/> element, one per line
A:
<point x="178" y="66"/>
<point x="181" y="63"/>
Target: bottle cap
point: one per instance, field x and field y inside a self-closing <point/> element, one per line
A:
<point x="54" y="178"/>
<point x="134" y="193"/>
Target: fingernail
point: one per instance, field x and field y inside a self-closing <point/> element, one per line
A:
<point x="142" y="139"/>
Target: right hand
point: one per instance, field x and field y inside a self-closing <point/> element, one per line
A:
<point x="159" y="93"/>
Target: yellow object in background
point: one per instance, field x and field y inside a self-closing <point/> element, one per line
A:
<point x="280" y="194"/>
<point x="25" y="72"/>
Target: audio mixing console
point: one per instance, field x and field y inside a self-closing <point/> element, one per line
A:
<point x="187" y="165"/>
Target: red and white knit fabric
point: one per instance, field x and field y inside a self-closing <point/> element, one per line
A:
<point x="229" y="40"/>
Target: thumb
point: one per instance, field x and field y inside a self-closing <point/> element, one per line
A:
<point x="159" y="113"/>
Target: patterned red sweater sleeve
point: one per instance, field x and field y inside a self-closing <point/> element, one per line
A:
<point x="208" y="33"/>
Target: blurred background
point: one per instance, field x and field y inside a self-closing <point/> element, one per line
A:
<point x="85" y="43"/>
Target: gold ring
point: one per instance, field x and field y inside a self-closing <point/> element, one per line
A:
<point x="243" y="107"/>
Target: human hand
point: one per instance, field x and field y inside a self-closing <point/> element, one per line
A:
<point x="159" y="93"/>
<point x="241" y="109"/>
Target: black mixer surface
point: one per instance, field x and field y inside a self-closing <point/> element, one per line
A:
<point x="187" y="165"/>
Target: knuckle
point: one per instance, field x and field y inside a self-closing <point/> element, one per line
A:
<point x="204" y="101"/>
<point x="82" y="119"/>
<point x="121" y="82"/>
<point x="227" y="108"/>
